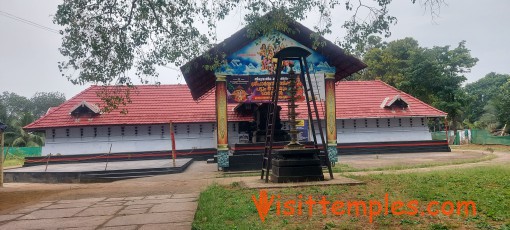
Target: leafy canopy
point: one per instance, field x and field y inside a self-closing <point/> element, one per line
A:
<point x="104" y="40"/>
<point x="18" y="111"/>
<point x="434" y="75"/>
<point x="481" y="93"/>
<point x="502" y="104"/>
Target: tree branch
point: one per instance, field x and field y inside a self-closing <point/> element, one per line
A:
<point x="151" y="6"/>
<point x="133" y="5"/>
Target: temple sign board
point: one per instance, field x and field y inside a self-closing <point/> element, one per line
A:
<point x="251" y="69"/>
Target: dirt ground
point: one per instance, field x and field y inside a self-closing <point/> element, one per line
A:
<point x="372" y="161"/>
<point x="198" y="176"/>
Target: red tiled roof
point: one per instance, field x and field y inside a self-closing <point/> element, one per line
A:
<point x="363" y="99"/>
<point x="164" y="103"/>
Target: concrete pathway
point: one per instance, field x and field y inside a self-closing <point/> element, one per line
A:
<point x="174" y="211"/>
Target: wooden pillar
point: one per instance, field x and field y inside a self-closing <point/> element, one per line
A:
<point x="446" y="130"/>
<point x="1" y="158"/>
<point x="221" y="121"/>
<point x="331" y="117"/>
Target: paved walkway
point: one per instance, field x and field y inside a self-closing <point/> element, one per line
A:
<point x="151" y="212"/>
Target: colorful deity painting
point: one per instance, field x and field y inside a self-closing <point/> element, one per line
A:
<point x="256" y="58"/>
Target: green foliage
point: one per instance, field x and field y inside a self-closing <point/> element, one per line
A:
<point x="18" y="111"/>
<point x="102" y="40"/>
<point x="41" y="101"/>
<point x="433" y="75"/>
<point x="480" y="93"/>
<point x="502" y="103"/>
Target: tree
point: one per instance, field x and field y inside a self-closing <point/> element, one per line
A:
<point x="18" y="111"/>
<point x="434" y="75"/>
<point x="41" y="101"/>
<point x="21" y="138"/>
<point x="14" y="104"/>
<point x="502" y="104"/>
<point x="481" y="93"/>
<point x="103" y="40"/>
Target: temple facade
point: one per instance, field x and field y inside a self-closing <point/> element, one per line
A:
<point x="220" y="111"/>
<point x="364" y="121"/>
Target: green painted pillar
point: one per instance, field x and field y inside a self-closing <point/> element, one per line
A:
<point x="331" y="117"/>
<point x="221" y="121"/>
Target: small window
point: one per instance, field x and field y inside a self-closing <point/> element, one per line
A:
<point x="234" y="127"/>
<point x="67" y="132"/>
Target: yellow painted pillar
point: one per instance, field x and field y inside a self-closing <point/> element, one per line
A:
<point x="221" y="121"/>
<point x="331" y="117"/>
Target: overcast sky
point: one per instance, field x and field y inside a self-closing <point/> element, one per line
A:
<point x="29" y="55"/>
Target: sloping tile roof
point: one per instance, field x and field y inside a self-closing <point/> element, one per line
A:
<point x="165" y="103"/>
<point x="363" y="99"/>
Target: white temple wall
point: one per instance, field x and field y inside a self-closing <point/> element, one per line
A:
<point x="380" y="130"/>
<point x="142" y="138"/>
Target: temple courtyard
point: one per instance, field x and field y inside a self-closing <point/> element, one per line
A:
<point x="171" y="201"/>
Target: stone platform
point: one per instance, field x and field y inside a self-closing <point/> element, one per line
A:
<point x="95" y="171"/>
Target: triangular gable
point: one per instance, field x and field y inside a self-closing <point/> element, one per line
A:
<point x="84" y="108"/>
<point x="396" y="101"/>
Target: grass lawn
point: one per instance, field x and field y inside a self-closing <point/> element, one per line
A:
<point x="231" y="207"/>
<point x="13" y="162"/>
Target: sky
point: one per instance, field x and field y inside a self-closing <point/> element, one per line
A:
<point x="29" y="55"/>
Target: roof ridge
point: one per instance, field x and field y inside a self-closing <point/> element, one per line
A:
<point x="402" y="92"/>
<point x="59" y="107"/>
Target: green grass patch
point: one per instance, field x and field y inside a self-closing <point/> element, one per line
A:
<point x="14" y="159"/>
<point x="231" y="207"/>
<point x="13" y="162"/>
